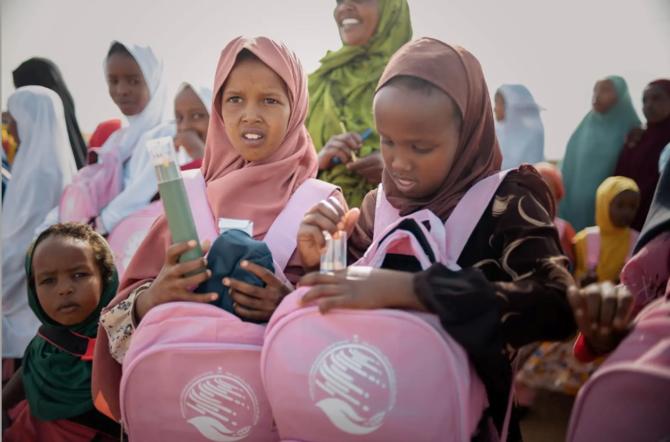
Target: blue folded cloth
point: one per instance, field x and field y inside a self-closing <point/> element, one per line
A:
<point x="224" y="259"/>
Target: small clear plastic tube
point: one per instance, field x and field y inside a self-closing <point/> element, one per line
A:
<point x="335" y="256"/>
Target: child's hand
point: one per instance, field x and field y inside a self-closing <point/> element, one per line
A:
<point x="171" y="285"/>
<point x="587" y="279"/>
<point x="326" y="216"/>
<point x="602" y="312"/>
<point x="370" y="167"/>
<point x="362" y="288"/>
<point x="339" y="146"/>
<point x="190" y="140"/>
<point x="264" y="300"/>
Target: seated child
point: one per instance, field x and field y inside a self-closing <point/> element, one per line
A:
<point x="553" y="366"/>
<point x="71" y="278"/>
<point x="253" y="164"/>
<point x="191" y="113"/>
<point x="433" y="113"/>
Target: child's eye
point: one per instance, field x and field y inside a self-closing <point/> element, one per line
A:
<point x="47" y="281"/>
<point x="80" y="275"/>
<point x="387" y="142"/>
<point x="134" y="82"/>
<point x="234" y="100"/>
<point x="198" y="116"/>
<point x="179" y="119"/>
<point x="271" y="101"/>
<point x="422" y="151"/>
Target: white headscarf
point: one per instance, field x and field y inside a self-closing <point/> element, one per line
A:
<point x="139" y="182"/>
<point x="44" y="165"/>
<point x="521" y="133"/>
<point x="206" y="95"/>
<point x="153" y="114"/>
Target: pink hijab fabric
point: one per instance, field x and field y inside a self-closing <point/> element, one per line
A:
<point x="236" y="188"/>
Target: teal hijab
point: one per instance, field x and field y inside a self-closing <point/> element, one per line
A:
<point x="592" y="155"/>
<point x="58" y="384"/>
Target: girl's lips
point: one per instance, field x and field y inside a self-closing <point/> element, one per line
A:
<point x="253" y="137"/>
<point x="404" y="184"/>
<point x="68" y="307"/>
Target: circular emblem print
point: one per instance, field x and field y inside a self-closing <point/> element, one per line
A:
<point x="354" y="385"/>
<point x="221" y="406"/>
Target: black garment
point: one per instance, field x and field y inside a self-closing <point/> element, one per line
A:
<point x="511" y="291"/>
<point x="658" y="219"/>
<point x="43" y="72"/>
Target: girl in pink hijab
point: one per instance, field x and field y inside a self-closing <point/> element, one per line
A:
<point x="257" y="154"/>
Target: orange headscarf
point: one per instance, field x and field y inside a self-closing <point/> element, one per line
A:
<point x="550" y="172"/>
<point x="257" y="191"/>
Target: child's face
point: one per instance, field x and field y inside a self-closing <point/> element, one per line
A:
<point x="12" y="128"/>
<point x="127" y="86"/>
<point x="604" y="96"/>
<point x="255" y="109"/>
<point x="656" y="104"/>
<point x="499" y="109"/>
<point x="623" y="208"/>
<point x="191" y="113"/>
<point x="357" y="20"/>
<point x="67" y="279"/>
<point x="419" y="138"/>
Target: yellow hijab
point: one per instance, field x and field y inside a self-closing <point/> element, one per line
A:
<point x="614" y="241"/>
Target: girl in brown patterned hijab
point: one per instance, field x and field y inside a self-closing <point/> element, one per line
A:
<point x="433" y="113"/>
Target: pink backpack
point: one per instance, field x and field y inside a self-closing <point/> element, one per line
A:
<point x="628" y="398"/>
<point x="93" y="187"/>
<point x="593" y="247"/>
<point x="129" y="233"/>
<point x="193" y="370"/>
<point x="383" y="375"/>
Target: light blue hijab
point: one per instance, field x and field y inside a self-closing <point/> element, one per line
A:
<point x="521" y="133"/>
<point x="592" y="155"/>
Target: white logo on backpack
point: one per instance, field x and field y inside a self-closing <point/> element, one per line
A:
<point x="353" y="383"/>
<point x="221" y="406"/>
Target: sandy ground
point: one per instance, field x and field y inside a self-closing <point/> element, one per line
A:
<point x="548" y="420"/>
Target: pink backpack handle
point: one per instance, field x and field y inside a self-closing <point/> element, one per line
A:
<point x="283" y="234"/>
<point x="196" y="189"/>
<point x="592" y="248"/>
<point x="468" y="212"/>
<point x="385" y="214"/>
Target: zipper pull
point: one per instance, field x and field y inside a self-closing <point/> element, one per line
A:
<point x="122" y="432"/>
<point x="273" y="427"/>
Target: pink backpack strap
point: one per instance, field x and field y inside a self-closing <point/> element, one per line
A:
<point x="196" y="190"/>
<point x="464" y="218"/>
<point x="283" y="234"/>
<point x="385" y="213"/>
<point x="592" y="248"/>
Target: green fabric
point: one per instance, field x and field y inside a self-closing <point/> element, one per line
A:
<point x="342" y="89"/>
<point x="592" y="155"/>
<point x="58" y="384"/>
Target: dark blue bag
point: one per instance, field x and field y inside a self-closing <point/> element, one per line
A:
<point x="224" y="258"/>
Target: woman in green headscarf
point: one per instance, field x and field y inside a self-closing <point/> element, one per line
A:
<point x="71" y="277"/>
<point x="594" y="148"/>
<point x="341" y="93"/>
